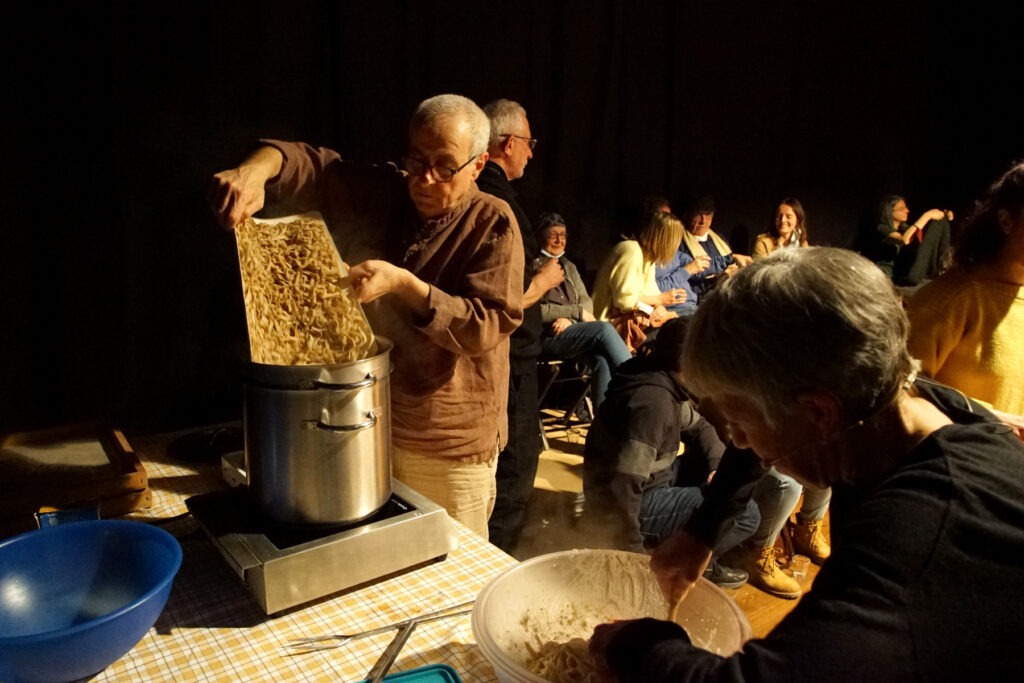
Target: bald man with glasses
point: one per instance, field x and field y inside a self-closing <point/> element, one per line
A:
<point x="439" y="267"/>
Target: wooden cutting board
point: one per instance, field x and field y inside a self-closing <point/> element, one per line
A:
<point x="85" y="465"/>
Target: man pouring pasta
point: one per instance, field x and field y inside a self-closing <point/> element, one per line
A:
<point x="438" y="265"/>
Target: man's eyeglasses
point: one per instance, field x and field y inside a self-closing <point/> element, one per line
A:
<point x="532" y="142"/>
<point x="440" y="174"/>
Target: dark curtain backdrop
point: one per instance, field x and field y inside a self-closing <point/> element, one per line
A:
<point x="121" y="298"/>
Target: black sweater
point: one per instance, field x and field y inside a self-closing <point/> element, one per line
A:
<point x="925" y="581"/>
<point x="525" y="348"/>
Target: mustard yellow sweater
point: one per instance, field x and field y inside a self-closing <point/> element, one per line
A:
<point x="969" y="333"/>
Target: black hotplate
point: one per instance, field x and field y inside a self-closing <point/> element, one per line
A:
<point x="235" y="511"/>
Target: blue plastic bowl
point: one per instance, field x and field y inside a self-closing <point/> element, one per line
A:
<point x="76" y="597"/>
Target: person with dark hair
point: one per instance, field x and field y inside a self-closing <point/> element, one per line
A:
<point x="570" y="329"/>
<point x="510" y="148"/>
<point x="625" y="293"/>
<point x="701" y="258"/>
<point x="633" y="215"/>
<point x="788" y="229"/>
<point x="910" y="253"/>
<point x="776" y="494"/>
<point x="449" y="294"/>
<point x="652" y="203"/>
<point x="966" y="326"/>
<point x="637" y="488"/>
<point x="801" y="359"/>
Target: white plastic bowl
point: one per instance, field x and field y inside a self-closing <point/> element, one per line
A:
<point x="564" y="595"/>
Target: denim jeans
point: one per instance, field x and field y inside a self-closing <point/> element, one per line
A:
<point x="777" y="496"/>
<point x="684" y="309"/>
<point x="666" y="509"/>
<point x="598" y="344"/>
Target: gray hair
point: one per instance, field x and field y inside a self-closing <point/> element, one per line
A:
<point x="458" y="108"/>
<point x="504" y="116"/>
<point x="817" y="318"/>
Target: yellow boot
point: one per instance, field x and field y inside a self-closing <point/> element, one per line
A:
<point x="809" y="540"/>
<point x="764" y="572"/>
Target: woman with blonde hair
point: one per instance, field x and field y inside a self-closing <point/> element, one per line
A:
<point x="626" y="293"/>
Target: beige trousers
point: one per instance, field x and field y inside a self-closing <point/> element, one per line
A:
<point x="466" y="490"/>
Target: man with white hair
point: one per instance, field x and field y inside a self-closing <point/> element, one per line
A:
<point x="509" y="150"/>
<point x="439" y="265"/>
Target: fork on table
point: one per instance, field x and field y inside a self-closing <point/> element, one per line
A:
<point x="329" y="642"/>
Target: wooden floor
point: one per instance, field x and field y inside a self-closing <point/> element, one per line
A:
<point x="550" y="524"/>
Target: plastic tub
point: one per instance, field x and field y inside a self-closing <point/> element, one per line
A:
<point x="564" y="595"/>
<point x="76" y="597"/>
<point x="431" y="673"/>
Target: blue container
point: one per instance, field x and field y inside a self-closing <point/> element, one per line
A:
<point x="432" y="673"/>
<point x="76" y="597"/>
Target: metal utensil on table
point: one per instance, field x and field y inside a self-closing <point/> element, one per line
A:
<point x="329" y="642"/>
<point x="379" y="669"/>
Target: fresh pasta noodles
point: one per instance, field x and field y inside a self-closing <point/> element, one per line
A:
<point x="298" y="305"/>
<point x="562" y="662"/>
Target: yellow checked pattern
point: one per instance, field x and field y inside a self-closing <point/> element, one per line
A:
<point x="212" y="629"/>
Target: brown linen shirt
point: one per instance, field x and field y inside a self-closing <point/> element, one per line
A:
<point x="449" y="387"/>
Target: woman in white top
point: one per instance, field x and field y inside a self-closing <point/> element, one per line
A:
<point x="625" y="291"/>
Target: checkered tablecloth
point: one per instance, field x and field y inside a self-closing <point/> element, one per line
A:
<point x="213" y="629"/>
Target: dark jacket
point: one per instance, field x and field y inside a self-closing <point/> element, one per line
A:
<point x="632" y="446"/>
<point x="567" y="300"/>
<point x="525" y="341"/>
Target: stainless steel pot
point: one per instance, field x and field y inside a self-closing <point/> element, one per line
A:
<point x="318" y="439"/>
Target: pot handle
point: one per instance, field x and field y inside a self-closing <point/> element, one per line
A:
<point x="367" y="381"/>
<point x="320" y="424"/>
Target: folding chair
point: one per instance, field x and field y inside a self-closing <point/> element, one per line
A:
<point x="557" y="373"/>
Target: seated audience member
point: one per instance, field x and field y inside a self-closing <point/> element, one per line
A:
<point x="633" y="215"/>
<point x="703" y="256"/>
<point x="788" y="229"/>
<point x="654" y="202"/>
<point x="777" y="496"/>
<point x="625" y="292"/>
<point x="923" y="583"/>
<point x="570" y="329"/>
<point x="966" y="326"/>
<point x="638" y="489"/>
<point x="676" y="274"/>
<point x="909" y="253"/>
